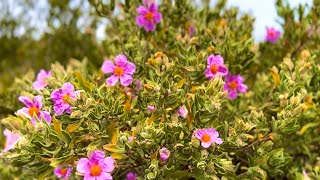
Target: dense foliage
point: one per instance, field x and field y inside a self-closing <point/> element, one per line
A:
<point x="151" y="104"/>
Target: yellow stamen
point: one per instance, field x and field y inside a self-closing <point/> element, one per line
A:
<point x="95" y="170"/>
<point x="214" y="69"/>
<point x="206" y="138"/>
<point x="33" y="111"/>
<point x="118" y="71"/>
<point x="149" y="16"/>
<point x="233" y="85"/>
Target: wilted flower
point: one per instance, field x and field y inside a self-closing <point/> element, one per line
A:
<point x="148" y="16"/>
<point x="131" y="176"/>
<point x="60" y="96"/>
<point x="207" y="137"/>
<point x="97" y="166"/>
<point x="138" y="85"/>
<point x="63" y="171"/>
<point x="11" y="140"/>
<point x="164" y="154"/>
<point x="41" y="83"/>
<point x="272" y="35"/>
<point x="151" y="108"/>
<point x="33" y="108"/>
<point x="215" y="66"/>
<point x="182" y="111"/>
<point x="122" y="69"/>
<point x="234" y="84"/>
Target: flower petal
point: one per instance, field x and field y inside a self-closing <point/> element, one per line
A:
<point x="67" y="88"/>
<point x="112" y="80"/>
<point x="105" y="176"/>
<point x="24" y="112"/>
<point x="140" y="20"/>
<point x="89" y="177"/>
<point x="25" y="100"/>
<point x="130" y="68"/>
<point x="215" y="60"/>
<point x="153" y="7"/>
<point x="58" y="108"/>
<point x="149" y="26"/>
<point x="142" y="10"/>
<point x="37" y="101"/>
<point x="126" y="80"/>
<point x="107" y="164"/>
<point x="223" y="70"/>
<point x="199" y="133"/>
<point x="232" y="94"/>
<point x="121" y="60"/>
<point x="206" y="144"/>
<point x="157" y="17"/>
<point x="96" y="156"/>
<point x="84" y="165"/>
<point x="107" y="67"/>
<point x="218" y="141"/>
<point x="46" y="116"/>
<point x="242" y="88"/>
<point x="38" y="85"/>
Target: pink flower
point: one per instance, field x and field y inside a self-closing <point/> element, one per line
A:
<point x="164" y="154"/>
<point x="63" y="171"/>
<point x="96" y="167"/>
<point x="130" y="138"/>
<point x="60" y="96"/>
<point x="151" y="108"/>
<point x="41" y="83"/>
<point x="215" y="66"/>
<point x="131" y="176"/>
<point x="138" y="85"/>
<point x="11" y="140"/>
<point x="182" y="111"/>
<point x="148" y="16"/>
<point x="122" y="69"/>
<point x="234" y="84"/>
<point x="33" y="108"/>
<point x="272" y="35"/>
<point x="207" y="137"/>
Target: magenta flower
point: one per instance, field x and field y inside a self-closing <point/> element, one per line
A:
<point x="131" y="176"/>
<point x="96" y="167"/>
<point x="151" y="108"/>
<point x="138" y="85"/>
<point x="63" y="171"/>
<point x="33" y="109"/>
<point x="122" y="69"/>
<point x="60" y="96"/>
<point x="148" y="16"/>
<point x="234" y="84"/>
<point x="11" y="140"/>
<point x="215" y="66"/>
<point x="207" y="137"/>
<point x="182" y="111"/>
<point x="164" y="154"/>
<point x="272" y="35"/>
<point x="130" y="138"/>
<point x="41" y="83"/>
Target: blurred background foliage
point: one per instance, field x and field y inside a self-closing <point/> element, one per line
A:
<point x="70" y="33"/>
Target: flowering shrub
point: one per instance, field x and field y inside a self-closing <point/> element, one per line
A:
<point x="187" y="105"/>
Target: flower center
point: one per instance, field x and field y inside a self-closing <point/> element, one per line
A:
<point x="206" y="138"/>
<point x="118" y="71"/>
<point x="65" y="97"/>
<point x="149" y="16"/>
<point x="95" y="170"/>
<point x="271" y="33"/>
<point x="233" y="85"/>
<point x="63" y="172"/>
<point x="33" y="110"/>
<point x="214" y="69"/>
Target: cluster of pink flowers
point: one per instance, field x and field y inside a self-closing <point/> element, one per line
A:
<point x="233" y="84"/>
